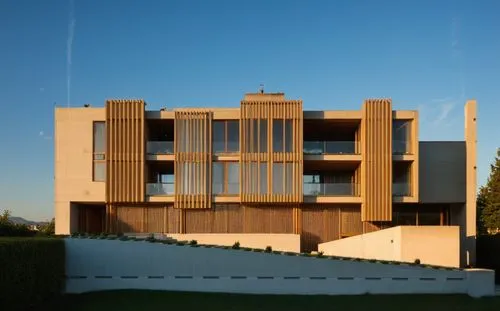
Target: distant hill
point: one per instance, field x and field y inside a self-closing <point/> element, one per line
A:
<point x="22" y="221"/>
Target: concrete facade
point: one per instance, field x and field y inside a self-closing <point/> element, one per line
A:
<point x="260" y="169"/>
<point x="154" y="266"/>
<point x="432" y="245"/>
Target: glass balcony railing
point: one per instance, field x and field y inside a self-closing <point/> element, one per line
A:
<point x="400" y="147"/>
<point x="401" y="189"/>
<point x="329" y="147"/>
<point x="226" y="189"/>
<point x="160" y="147"/>
<point x="225" y="147"/>
<point x="330" y="189"/>
<point x="160" y="189"/>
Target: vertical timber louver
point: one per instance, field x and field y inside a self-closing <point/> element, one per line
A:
<point x="376" y="160"/>
<point x="193" y="158"/>
<point x="271" y="162"/>
<point x="125" y="151"/>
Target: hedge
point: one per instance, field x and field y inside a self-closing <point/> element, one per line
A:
<point x="488" y="253"/>
<point x="32" y="271"/>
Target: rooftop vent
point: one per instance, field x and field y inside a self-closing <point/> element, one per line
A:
<point x="86" y="105"/>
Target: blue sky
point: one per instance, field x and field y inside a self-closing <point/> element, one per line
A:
<point x="426" y="55"/>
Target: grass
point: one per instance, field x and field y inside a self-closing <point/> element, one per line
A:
<point x="134" y="300"/>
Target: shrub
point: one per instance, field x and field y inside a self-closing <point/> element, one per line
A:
<point x="320" y="255"/>
<point x="236" y="245"/>
<point x="32" y="271"/>
<point x="193" y="242"/>
<point x="150" y="238"/>
<point x="488" y="253"/>
<point x="269" y="249"/>
<point x="417" y="261"/>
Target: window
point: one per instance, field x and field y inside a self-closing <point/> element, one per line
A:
<point x="226" y="136"/>
<point x="99" y="151"/>
<point x="288" y="136"/>
<point x="278" y="136"/>
<point x="278" y="178"/>
<point x="282" y="135"/>
<point x="263" y="136"/>
<point x="225" y="178"/>
<point x="263" y="178"/>
<point x="400" y="136"/>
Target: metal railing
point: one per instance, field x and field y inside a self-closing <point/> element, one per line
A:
<point x="160" y="189"/>
<point x="330" y="147"/>
<point x="330" y="189"/>
<point x="160" y="147"/>
<point x="401" y="189"/>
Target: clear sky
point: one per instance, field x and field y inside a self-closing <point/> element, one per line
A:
<point x="426" y="55"/>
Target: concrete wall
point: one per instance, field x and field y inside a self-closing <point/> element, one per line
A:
<point x="73" y="143"/>
<point x="93" y="265"/>
<point x="442" y="177"/>
<point x="279" y="242"/>
<point x="436" y="245"/>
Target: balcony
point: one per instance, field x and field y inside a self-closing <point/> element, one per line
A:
<point x="160" y="147"/>
<point x="329" y="147"/>
<point x="330" y="189"/>
<point x="160" y="189"/>
<point x="226" y="189"/>
<point x="401" y="190"/>
<point x="400" y="147"/>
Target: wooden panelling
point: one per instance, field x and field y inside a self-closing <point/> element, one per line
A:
<point x="258" y="114"/>
<point x="268" y="219"/>
<point x="125" y="151"/>
<point x="350" y="221"/>
<point x="193" y="158"/>
<point x="221" y="218"/>
<point x="143" y="219"/>
<point x="91" y="219"/>
<point x="320" y="223"/>
<point x="376" y="138"/>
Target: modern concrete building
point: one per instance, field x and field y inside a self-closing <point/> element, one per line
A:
<point x="267" y="172"/>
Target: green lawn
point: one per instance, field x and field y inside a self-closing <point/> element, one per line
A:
<point x="135" y="300"/>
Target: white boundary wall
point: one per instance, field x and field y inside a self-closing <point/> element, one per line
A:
<point x="95" y="265"/>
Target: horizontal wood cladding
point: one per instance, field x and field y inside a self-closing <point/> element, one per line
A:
<point x="193" y="158"/>
<point x="376" y="188"/>
<point x="125" y="146"/>
<point x="143" y="219"/>
<point x="271" y="152"/>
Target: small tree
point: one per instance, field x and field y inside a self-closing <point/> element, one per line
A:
<point x="488" y="200"/>
<point x="49" y="228"/>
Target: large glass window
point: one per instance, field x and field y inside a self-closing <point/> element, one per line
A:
<point x="263" y="178"/>
<point x="225" y="178"/>
<point x="226" y="136"/>
<point x="401" y="136"/>
<point x="99" y="151"/>
<point x="278" y="185"/>
<point x="233" y="136"/>
<point x="233" y="178"/>
<point x="263" y="136"/>
<point x="278" y="135"/>
<point x="217" y="178"/>
<point x="288" y="136"/>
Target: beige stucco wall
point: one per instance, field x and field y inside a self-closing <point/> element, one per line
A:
<point x="279" y="242"/>
<point x="436" y="245"/>
<point x="73" y="143"/>
<point x="382" y="245"/>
